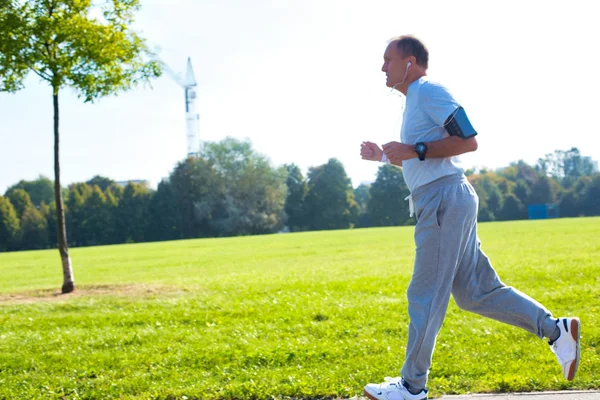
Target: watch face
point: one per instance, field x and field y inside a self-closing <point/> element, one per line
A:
<point x="420" y="148"/>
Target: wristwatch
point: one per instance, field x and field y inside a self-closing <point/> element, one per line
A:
<point x="421" y="149"/>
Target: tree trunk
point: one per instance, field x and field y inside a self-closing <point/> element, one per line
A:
<point x="68" y="281"/>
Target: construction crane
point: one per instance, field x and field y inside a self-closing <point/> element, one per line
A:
<point x="188" y="83"/>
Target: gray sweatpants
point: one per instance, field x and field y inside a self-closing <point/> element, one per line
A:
<point x="448" y="261"/>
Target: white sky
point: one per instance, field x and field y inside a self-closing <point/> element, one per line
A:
<point x="302" y="80"/>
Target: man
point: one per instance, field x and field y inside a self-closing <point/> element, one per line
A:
<point x="449" y="260"/>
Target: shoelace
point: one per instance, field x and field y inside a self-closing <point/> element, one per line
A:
<point x="393" y="381"/>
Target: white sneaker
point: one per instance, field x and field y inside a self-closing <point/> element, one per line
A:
<point x="392" y="389"/>
<point x="566" y="347"/>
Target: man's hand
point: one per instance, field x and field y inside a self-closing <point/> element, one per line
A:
<point x="397" y="152"/>
<point x="370" y="151"/>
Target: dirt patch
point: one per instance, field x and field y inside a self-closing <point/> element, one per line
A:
<point x="53" y="295"/>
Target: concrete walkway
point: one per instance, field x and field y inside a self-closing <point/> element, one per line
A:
<point x="562" y="395"/>
<point x="566" y="395"/>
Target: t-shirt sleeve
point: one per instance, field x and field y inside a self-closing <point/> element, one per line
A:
<point x="437" y="102"/>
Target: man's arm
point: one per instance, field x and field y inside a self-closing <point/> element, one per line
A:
<point x="448" y="147"/>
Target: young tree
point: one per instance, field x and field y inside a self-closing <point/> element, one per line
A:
<point x="65" y="45"/>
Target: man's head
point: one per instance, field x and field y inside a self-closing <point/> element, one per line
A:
<point x="405" y="60"/>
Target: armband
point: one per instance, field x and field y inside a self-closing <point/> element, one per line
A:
<point x="458" y="124"/>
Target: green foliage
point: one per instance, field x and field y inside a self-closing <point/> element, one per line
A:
<point x="330" y="201"/>
<point x="39" y="190"/>
<point x="512" y="209"/>
<point x="34" y="229"/>
<point x="387" y="205"/>
<point x="102" y="182"/>
<point x="75" y="215"/>
<point x="543" y="191"/>
<point x="590" y="196"/>
<point x="309" y="315"/>
<point x="295" y="207"/>
<point x="362" y="195"/>
<point x="197" y="194"/>
<point x="20" y="199"/>
<point x="252" y="194"/>
<point x="67" y="47"/>
<point x="98" y="218"/>
<point x="566" y="166"/>
<point x="132" y="214"/>
<point x="164" y="221"/>
<point x="9" y="225"/>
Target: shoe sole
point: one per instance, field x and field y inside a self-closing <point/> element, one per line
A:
<point x="575" y="331"/>
<point x="371" y="397"/>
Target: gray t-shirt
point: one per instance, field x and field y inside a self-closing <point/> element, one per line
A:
<point x="428" y="105"/>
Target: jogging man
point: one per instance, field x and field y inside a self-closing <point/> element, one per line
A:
<point x="435" y="130"/>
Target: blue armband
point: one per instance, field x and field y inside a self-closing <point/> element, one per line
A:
<point x="458" y="124"/>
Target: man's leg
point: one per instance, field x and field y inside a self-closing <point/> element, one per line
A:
<point x="477" y="288"/>
<point x="445" y="219"/>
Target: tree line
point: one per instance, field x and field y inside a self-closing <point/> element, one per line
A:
<point x="230" y="189"/>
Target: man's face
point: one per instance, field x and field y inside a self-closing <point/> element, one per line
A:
<point x="394" y="65"/>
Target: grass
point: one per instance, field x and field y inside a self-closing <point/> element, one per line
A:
<point x="308" y="315"/>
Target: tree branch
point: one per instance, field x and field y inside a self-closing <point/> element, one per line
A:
<point x="42" y="75"/>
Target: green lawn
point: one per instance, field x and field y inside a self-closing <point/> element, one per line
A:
<point x="309" y="315"/>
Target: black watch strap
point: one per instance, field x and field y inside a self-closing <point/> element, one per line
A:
<point x="421" y="150"/>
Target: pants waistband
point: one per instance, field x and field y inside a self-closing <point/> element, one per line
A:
<point x="443" y="181"/>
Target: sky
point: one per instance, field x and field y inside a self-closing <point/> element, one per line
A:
<point x="302" y="80"/>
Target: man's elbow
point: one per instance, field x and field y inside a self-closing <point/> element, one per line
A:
<point x="471" y="144"/>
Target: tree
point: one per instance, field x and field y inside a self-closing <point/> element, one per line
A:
<point x="63" y="44"/>
<point x="41" y="189"/>
<point x="34" y="229"/>
<point x="566" y="166"/>
<point x="9" y="225"/>
<point x="543" y="191"/>
<point x="590" y="197"/>
<point x="20" y="200"/>
<point x="362" y="196"/>
<point x="296" y="195"/>
<point x="330" y="199"/>
<point x="101" y="181"/>
<point x="133" y="213"/>
<point x="522" y="191"/>
<point x="98" y="218"/>
<point x="387" y="206"/>
<point x="197" y="194"/>
<point x="253" y="191"/>
<point x="512" y="209"/>
<point x="164" y="223"/>
<point x="49" y="212"/>
<point x="75" y="217"/>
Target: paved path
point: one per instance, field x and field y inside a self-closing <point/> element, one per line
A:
<point x="566" y="395"/>
<point x="563" y="395"/>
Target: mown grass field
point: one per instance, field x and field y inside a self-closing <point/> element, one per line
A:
<point x="308" y="315"/>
